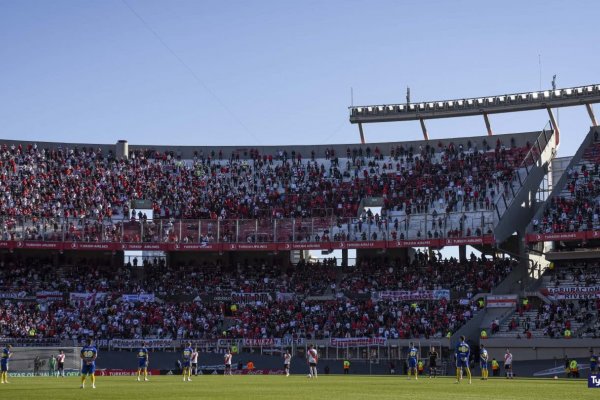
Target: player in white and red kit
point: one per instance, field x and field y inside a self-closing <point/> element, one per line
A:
<point x="287" y="359"/>
<point x="508" y="364"/>
<point x="313" y="359"/>
<point x="228" y="358"/>
<point x="60" y="360"/>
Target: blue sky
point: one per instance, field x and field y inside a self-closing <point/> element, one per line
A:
<point x="279" y="72"/>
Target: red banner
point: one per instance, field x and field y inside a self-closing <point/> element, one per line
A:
<point x="304" y="246"/>
<point x="145" y="246"/>
<point x="250" y="247"/>
<point x="469" y="240"/>
<point x="593" y="235"/>
<point x="550" y="237"/>
<point x="196" y="247"/>
<point x="222" y="247"/>
<point x="90" y="246"/>
<point x="39" y="245"/>
<point x="415" y="243"/>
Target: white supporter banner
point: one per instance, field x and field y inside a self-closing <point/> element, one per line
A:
<point x="13" y="295"/>
<point x="47" y="296"/>
<point x="138" y="298"/>
<point x="137" y="343"/>
<point x="356" y="342"/>
<point x="87" y="299"/>
<point x="501" y="301"/>
<point x="250" y="298"/>
<point x="407" y="295"/>
<point x="271" y="342"/>
<point x="574" y="292"/>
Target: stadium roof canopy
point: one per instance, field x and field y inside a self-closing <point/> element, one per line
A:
<point x="505" y="103"/>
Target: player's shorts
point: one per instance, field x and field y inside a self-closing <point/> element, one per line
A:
<point x="313" y="364"/>
<point x="4" y="367"/>
<point x="433" y="364"/>
<point x="142" y="363"/>
<point x="286" y="366"/>
<point x="61" y="366"/>
<point x="186" y="364"/>
<point x="483" y="364"/>
<point x="88" y="369"/>
<point x="194" y="365"/>
<point x="593" y="366"/>
<point x="227" y="367"/>
<point x="462" y="362"/>
<point x="412" y="363"/>
<point x="508" y="367"/>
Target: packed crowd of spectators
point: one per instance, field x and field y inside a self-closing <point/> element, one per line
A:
<point x="428" y="273"/>
<point x="310" y="300"/>
<point x="86" y="195"/>
<point x="571" y="309"/>
<point x="579" y="209"/>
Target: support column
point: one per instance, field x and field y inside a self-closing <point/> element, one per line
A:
<point x="462" y="253"/>
<point x="590" y="111"/>
<point x="487" y="124"/>
<point x="362" y="134"/>
<point x="554" y="126"/>
<point x="424" y="129"/>
<point x="344" y="257"/>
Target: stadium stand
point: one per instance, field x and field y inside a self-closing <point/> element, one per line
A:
<point x="448" y="189"/>
<point x="189" y="300"/>
<point x="577" y="207"/>
<point x="568" y="308"/>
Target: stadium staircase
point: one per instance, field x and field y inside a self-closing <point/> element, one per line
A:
<point x="514" y="212"/>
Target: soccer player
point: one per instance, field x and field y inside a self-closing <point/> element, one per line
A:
<point x="287" y="359"/>
<point x="483" y="362"/>
<point x="187" y="362"/>
<point x="143" y="359"/>
<point x="433" y="356"/>
<point x="462" y="359"/>
<point x="593" y="362"/>
<point x="6" y="355"/>
<point x="228" y="358"/>
<point x="89" y="353"/>
<point x="60" y="359"/>
<point x="508" y="361"/>
<point x="195" y="362"/>
<point x="413" y="355"/>
<point x="313" y="359"/>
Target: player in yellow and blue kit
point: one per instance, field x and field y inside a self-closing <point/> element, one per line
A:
<point x="462" y="359"/>
<point x="6" y="354"/>
<point x="483" y="362"/>
<point x="88" y="354"/>
<point x="187" y="362"/>
<point x="143" y="359"/>
<point x="413" y="358"/>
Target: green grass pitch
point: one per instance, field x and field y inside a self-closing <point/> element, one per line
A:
<point x="273" y="387"/>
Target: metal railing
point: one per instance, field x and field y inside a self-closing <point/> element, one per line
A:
<point x="290" y="230"/>
<point x="532" y="157"/>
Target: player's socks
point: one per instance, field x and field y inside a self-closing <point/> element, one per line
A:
<point x="457" y="375"/>
<point x="93" y="378"/>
